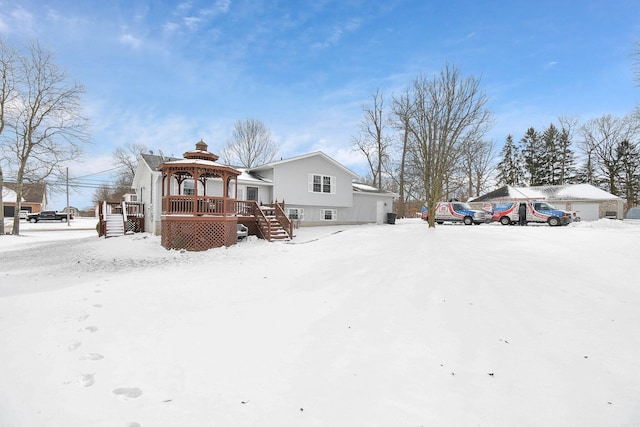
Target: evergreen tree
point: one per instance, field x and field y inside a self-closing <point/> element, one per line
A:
<point x="629" y="174"/>
<point x="549" y="158"/>
<point x="532" y="149"/>
<point x="566" y="159"/>
<point x="510" y="167"/>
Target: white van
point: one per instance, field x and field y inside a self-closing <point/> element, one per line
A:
<point x="455" y="212"/>
<point x="507" y="213"/>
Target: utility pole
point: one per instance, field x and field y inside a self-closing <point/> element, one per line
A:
<point x="68" y="207"/>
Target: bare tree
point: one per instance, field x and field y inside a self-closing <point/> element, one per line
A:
<point x="250" y="145"/>
<point x="401" y="111"/>
<point x="45" y="124"/>
<point x="449" y="112"/>
<point x="126" y="160"/>
<point x="372" y="141"/>
<point x="602" y="140"/>
<point x="476" y="162"/>
<point x="7" y="95"/>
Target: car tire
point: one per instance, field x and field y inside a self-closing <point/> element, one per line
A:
<point x="505" y="220"/>
<point x="468" y="220"/>
<point x="553" y="221"/>
<point x="33" y="220"/>
<point x="64" y="219"/>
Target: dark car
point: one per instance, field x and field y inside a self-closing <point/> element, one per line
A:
<point x="48" y="216"/>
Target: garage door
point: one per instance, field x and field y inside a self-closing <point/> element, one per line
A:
<point x="587" y="211"/>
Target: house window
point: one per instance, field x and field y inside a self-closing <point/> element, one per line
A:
<point x="252" y="193"/>
<point x="322" y="184"/>
<point x="187" y="188"/>
<point x="328" y="214"/>
<point x="295" y="213"/>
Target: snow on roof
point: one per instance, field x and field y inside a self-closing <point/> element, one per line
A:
<point x="9" y="195"/>
<point x="194" y="162"/>
<point x="365" y="187"/>
<point x="583" y="191"/>
<point x="549" y="192"/>
<point x="246" y="175"/>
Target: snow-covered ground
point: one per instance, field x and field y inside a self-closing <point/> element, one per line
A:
<point x="389" y="325"/>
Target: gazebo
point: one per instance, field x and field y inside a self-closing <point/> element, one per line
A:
<point x="198" y="202"/>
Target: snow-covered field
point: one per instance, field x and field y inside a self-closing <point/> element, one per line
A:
<point x="389" y="325"/>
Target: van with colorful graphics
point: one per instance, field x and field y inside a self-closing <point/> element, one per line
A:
<point x="507" y="213"/>
<point x="455" y="212"/>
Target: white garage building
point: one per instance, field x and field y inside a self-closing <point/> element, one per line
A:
<point x="591" y="203"/>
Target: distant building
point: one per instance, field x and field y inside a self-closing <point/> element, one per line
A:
<point x="34" y="198"/>
<point x="590" y="202"/>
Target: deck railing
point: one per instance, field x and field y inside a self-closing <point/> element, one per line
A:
<point x="200" y="205"/>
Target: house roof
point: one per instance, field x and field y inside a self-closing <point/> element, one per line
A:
<point x="31" y="193"/>
<point x="549" y="192"/>
<point x="369" y="189"/>
<point x="8" y="195"/>
<point x="305" y="156"/>
<point x="154" y="160"/>
<point x="246" y="176"/>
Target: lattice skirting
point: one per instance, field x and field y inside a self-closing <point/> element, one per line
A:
<point x="196" y="234"/>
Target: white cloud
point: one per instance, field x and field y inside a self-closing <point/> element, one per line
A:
<point x="338" y="32"/>
<point x="130" y="40"/>
<point x="550" y="65"/>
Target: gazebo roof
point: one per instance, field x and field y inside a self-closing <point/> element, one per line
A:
<point x="200" y="153"/>
<point x="201" y="160"/>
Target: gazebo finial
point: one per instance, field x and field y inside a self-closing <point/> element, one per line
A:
<point x="201" y="146"/>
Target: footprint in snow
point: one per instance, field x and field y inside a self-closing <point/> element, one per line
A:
<point x="87" y="380"/>
<point x="133" y="425"/>
<point x="127" y="393"/>
<point x="82" y="318"/>
<point x="97" y="305"/>
<point x="74" y="345"/>
<point x="92" y="356"/>
<point x="91" y="328"/>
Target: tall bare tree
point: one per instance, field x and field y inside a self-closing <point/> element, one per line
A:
<point x="250" y="144"/>
<point x="7" y="95"/>
<point x="603" y="137"/>
<point x="401" y="111"/>
<point x="477" y="162"/>
<point x="448" y="112"/>
<point x="44" y="125"/>
<point x="372" y="141"/>
<point x="126" y="160"/>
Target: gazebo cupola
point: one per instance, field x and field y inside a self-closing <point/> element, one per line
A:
<point x="198" y="209"/>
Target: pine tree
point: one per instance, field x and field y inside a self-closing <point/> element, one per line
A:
<point x="567" y="162"/>
<point x="629" y="174"/>
<point x="510" y="167"/>
<point x="549" y="158"/>
<point x="532" y="150"/>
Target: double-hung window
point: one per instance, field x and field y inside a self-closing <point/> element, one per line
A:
<point x="328" y="214"/>
<point x="295" y="213"/>
<point x="325" y="184"/>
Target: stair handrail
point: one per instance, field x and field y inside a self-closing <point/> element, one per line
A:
<point x="263" y="223"/>
<point x="283" y="219"/>
<point x="124" y="216"/>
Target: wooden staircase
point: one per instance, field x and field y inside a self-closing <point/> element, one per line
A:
<point x="276" y="230"/>
<point x="115" y="225"/>
<point x="270" y="222"/>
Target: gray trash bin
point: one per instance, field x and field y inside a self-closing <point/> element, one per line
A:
<point x="391" y="218"/>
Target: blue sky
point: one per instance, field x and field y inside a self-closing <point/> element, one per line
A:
<point x="167" y="74"/>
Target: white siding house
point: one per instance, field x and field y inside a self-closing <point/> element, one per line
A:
<point x="315" y="188"/>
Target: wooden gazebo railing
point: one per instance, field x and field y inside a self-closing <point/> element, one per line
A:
<point x="200" y="205"/>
